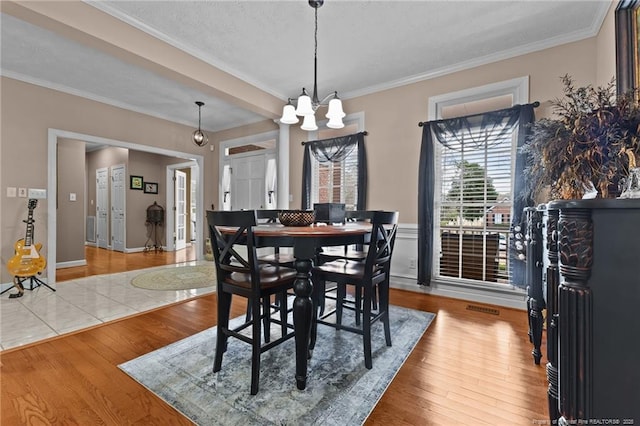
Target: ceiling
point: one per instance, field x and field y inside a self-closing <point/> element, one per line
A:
<point x="363" y="47"/>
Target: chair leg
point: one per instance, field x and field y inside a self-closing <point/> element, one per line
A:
<point x="266" y="319"/>
<point x="247" y="317"/>
<point x="341" y="293"/>
<point x="283" y="312"/>
<point x="358" y="297"/>
<point x="321" y="286"/>
<point x="317" y="294"/>
<point x="383" y="298"/>
<point x="366" y="325"/>
<point x="224" y="308"/>
<point x="256" y="343"/>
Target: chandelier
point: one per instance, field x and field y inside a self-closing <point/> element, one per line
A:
<point x="200" y="138"/>
<point x="306" y="106"/>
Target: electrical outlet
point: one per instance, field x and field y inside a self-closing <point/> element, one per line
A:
<point x="412" y="263"/>
<point x="22" y="192"/>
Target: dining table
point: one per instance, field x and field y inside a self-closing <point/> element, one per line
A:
<point x="307" y="241"/>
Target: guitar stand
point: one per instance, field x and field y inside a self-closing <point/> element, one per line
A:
<point x="34" y="282"/>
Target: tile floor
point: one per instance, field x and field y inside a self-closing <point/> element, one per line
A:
<point x="81" y="303"/>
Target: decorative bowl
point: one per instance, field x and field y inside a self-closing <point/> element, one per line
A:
<point x="296" y="217"/>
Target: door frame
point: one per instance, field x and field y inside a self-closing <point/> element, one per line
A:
<point x="112" y="197"/>
<point x="170" y="217"/>
<point x="52" y="177"/>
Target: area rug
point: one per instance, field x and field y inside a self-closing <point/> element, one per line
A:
<point x="178" y="278"/>
<point x="340" y="390"/>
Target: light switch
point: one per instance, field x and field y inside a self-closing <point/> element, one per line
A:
<point x="37" y="193"/>
<point x="11" y="191"/>
<point x="22" y="192"/>
<point x="72" y="196"/>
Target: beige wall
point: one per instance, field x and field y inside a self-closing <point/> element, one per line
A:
<point x="28" y="111"/>
<point x="391" y="118"/>
<point x="71" y="180"/>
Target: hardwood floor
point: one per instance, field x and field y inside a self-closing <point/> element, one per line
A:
<point x="102" y="261"/>
<point x="469" y="368"/>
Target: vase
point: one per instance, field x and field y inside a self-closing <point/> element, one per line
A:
<point x="632" y="184"/>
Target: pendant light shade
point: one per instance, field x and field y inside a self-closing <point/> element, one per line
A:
<point x="306" y="106"/>
<point x="199" y="137"/>
<point x="309" y="123"/>
<point x="289" y="114"/>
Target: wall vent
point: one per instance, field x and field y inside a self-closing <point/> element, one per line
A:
<point x="91" y="229"/>
<point x="483" y="309"/>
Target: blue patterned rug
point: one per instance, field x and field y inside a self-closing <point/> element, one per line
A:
<point x="340" y="390"/>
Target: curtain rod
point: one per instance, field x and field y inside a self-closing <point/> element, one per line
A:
<point x="535" y="104"/>
<point x="365" y="133"/>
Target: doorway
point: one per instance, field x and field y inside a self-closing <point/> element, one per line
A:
<point x="54" y="135"/>
<point x="248" y="172"/>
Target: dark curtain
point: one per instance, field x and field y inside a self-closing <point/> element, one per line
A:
<point x="496" y="123"/>
<point x="335" y="150"/>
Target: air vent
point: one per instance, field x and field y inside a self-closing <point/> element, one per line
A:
<point x="483" y="309"/>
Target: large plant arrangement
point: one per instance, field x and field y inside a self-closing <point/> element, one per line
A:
<point x="590" y="144"/>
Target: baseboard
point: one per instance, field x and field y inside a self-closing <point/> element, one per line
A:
<point x="71" y="264"/>
<point x="509" y="298"/>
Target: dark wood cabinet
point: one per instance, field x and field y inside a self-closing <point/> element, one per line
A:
<point x="592" y="318"/>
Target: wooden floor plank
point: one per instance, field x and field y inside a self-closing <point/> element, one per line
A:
<point x="469" y="368"/>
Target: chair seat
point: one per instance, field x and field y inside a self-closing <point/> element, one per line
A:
<point x="332" y="253"/>
<point x="352" y="269"/>
<point x="270" y="276"/>
<point x="277" y="258"/>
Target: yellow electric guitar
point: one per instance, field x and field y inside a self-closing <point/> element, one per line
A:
<point x="27" y="261"/>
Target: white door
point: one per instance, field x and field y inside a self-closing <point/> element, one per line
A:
<point x="117" y="207"/>
<point x="102" y="207"/>
<point x="181" y="209"/>
<point x="247" y="183"/>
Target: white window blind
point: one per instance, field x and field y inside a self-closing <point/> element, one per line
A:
<point x="336" y="182"/>
<point x="475" y="190"/>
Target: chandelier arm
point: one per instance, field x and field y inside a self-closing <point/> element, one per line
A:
<point x="326" y="99"/>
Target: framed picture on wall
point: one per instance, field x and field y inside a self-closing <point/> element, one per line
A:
<point x="150" y="188"/>
<point x="136" y="182"/>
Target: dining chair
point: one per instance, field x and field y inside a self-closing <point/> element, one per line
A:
<point x="240" y="273"/>
<point x="275" y="258"/>
<point x="354" y="252"/>
<point x="366" y="277"/>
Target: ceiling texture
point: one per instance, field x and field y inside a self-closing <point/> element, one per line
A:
<point x="363" y="47"/>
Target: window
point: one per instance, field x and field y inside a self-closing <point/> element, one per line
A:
<point x="466" y="175"/>
<point x="474" y="194"/>
<point x="337" y="182"/>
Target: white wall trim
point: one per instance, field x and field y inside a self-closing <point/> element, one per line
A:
<point x="71" y="264"/>
<point x="406" y="278"/>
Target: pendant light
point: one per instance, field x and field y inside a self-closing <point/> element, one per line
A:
<point x="200" y="138"/>
<point x="306" y="106"/>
